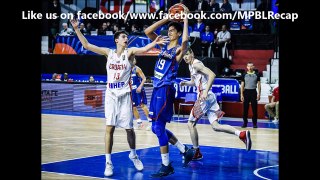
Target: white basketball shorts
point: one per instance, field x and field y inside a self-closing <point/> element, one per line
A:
<point x="210" y="106"/>
<point x="118" y="110"/>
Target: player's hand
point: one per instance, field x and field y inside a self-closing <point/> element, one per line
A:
<point x="74" y="23"/>
<point x="186" y="10"/>
<point x="204" y="96"/>
<point x="258" y="97"/>
<point x="242" y="98"/>
<point x="162" y="40"/>
<point x="138" y="90"/>
<point x="183" y="83"/>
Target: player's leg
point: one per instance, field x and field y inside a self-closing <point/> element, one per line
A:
<point x="126" y="122"/>
<point x="110" y="112"/>
<point x="146" y="112"/>
<point x="214" y="114"/>
<point x="136" y="102"/>
<point x="276" y="109"/>
<point x="158" y="128"/>
<point x="270" y="109"/>
<point x="162" y="112"/>
<point x="198" y="112"/>
<point x="245" y="108"/>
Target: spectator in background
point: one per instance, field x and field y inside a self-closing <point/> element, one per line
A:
<point x="54" y="8"/>
<point x="54" y="77"/>
<point x="202" y="5"/>
<point x="226" y="6"/>
<point x="214" y="7"/>
<point x="115" y="28"/>
<point x="273" y="107"/>
<point x="199" y="27"/>
<point x="215" y="33"/>
<point x="145" y="27"/>
<point x="91" y="79"/>
<point x="103" y="29"/>
<point x="65" y="30"/>
<point x="89" y="28"/>
<point x="191" y="4"/>
<point x="249" y="83"/>
<point x="206" y="39"/>
<point x="134" y="30"/>
<point x="220" y="46"/>
<point x="83" y="30"/>
<point x="65" y="77"/>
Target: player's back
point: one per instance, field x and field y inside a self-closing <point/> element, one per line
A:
<point x="135" y="79"/>
<point x="166" y="68"/>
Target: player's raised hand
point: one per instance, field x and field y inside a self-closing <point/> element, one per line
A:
<point x="203" y="96"/>
<point x="186" y="10"/>
<point x="75" y="23"/>
<point x="162" y="40"/>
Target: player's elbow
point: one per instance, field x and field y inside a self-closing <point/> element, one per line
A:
<point x="86" y="45"/>
<point x="147" y="32"/>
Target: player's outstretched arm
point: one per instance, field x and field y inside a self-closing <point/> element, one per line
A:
<point x="160" y="40"/>
<point x="184" y="45"/>
<point x="84" y="41"/>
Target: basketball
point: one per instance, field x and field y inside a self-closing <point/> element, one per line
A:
<point x="176" y="9"/>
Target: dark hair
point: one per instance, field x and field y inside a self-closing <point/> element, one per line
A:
<point x="189" y="50"/>
<point x="117" y="34"/>
<point x="176" y="25"/>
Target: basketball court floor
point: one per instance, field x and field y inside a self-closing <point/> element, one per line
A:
<point x="73" y="148"/>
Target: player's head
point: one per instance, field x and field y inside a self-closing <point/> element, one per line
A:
<point x="174" y="31"/>
<point x="121" y="38"/>
<point x="250" y="66"/>
<point x="189" y="56"/>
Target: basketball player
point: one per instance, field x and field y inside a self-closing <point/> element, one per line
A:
<point x="118" y="104"/>
<point x="139" y="97"/>
<point x="203" y="78"/>
<point x="161" y="105"/>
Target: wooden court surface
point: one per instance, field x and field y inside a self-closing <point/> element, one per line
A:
<point x="68" y="137"/>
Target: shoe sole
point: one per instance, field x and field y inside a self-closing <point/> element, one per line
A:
<point x="248" y="138"/>
<point x="159" y="176"/>
<point x="197" y="159"/>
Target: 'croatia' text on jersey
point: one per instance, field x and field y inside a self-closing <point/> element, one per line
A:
<point x="118" y="73"/>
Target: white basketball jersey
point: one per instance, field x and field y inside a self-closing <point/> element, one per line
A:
<point x="118" y="73"/>
<point x="200" y="79"/>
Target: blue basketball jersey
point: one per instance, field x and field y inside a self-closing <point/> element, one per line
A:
<point x="166" y="68"/>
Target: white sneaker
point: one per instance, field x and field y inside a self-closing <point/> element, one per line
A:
<point x="109" y="169"/>
<point x="139" y="126"/>
<point x="275" y="120"/>
<point x="136" y="162"/>
<point x="148" y="128"/>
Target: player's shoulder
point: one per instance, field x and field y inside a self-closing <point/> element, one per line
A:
<point x="137" y="67"/>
